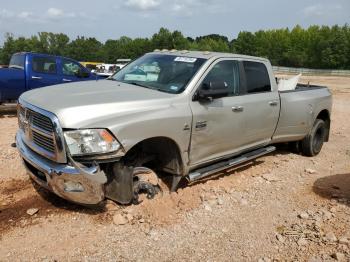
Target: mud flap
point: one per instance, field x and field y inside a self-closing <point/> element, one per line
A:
<point x="121" y="186"/>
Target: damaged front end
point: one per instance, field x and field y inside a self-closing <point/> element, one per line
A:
<point x="89" y="184"/>
<point x="83" y="185"/>
<point x="84" y="166"/>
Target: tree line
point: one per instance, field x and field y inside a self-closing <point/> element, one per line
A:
<point x="321" y="47"/>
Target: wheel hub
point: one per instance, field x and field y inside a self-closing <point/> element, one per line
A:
<point x="146" y="183"/>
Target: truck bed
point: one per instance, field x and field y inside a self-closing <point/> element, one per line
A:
<point x="299" y="108"/>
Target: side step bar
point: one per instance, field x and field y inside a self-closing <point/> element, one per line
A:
<point x="217" y="167"/>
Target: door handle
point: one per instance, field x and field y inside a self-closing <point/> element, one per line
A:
<point x="237" y="109"/>
<point x="273" y="103"/>
<point x="66" y="80"/>
<point x="37" y="77"/>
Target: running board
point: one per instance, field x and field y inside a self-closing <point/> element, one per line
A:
<point x="217" y="167"/>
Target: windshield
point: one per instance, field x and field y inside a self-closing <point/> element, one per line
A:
<point x="17" y="61"/>
<point x="167" y="73"/>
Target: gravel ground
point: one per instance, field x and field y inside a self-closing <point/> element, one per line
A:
<point x="281" y="207"/>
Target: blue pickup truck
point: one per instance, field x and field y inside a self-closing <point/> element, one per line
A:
<point x="28" y="71"/>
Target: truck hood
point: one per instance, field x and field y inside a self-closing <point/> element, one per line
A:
<point x="94" y="104"/>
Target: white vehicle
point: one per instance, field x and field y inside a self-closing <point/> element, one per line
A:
<point x="122" y="62"/>
<point x="106" y="70"/>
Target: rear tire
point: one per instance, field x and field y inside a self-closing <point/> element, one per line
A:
<point x="312" y="144"/>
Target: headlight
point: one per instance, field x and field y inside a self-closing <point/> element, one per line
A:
<point x="90" y="141"/>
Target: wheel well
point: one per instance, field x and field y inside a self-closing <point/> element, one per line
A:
<point x="324" y="115"/>
<point x="158" y="153"/>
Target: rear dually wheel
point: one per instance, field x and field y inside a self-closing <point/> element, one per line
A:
<point x="312" y="144"/>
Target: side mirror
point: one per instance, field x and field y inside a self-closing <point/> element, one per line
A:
<point x="212" y="90"/>
<point x="81" y="73"/>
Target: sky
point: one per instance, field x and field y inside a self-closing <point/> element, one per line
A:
<point x="111" y="19"/>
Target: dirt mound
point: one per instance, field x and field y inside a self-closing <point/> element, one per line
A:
<point x="167" y="209"/>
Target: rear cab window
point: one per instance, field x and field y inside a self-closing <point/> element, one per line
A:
<point x="44" y="65"/>
<point x="17" y="61"/>
<point x="257" y="77"/>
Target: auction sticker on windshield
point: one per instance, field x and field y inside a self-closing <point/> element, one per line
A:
<point x="185" y="59"/>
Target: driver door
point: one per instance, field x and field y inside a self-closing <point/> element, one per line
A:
<point x="218" y="125"/>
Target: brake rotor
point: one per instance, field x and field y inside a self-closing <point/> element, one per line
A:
<point x="146" y="183"/>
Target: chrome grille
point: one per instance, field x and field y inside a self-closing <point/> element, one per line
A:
<point x="45" y="142"/>
<point x="41" y="121"/>
<point x="41" y="132"/>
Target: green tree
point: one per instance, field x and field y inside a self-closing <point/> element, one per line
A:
<point x="12" y="45"/>
<point x="162" y="40"/>
<point x="210" y="44"/>
<point x="215" y="37"/>
<point x="84" y="49"/>
<point x="245" y="44"/>
<point x="179" y="42"/>
<point x="165" y="39"/>
<point x="314" y="47"/>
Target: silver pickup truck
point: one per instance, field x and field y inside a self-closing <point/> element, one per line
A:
<point x="168" y="114"/>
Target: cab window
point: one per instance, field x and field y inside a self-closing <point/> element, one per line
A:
<point x="225" y="71"/>
<point x="70" y="68"/>
<point x="45" y="65"/>
<point x="257" y="77"/>
<point x="17" y="61"/>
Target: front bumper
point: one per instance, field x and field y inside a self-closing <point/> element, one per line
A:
<point x="81" y="185"/>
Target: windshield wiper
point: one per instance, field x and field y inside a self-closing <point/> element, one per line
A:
<point x="149" y="87"/>
<point x="137" y="84"/>
<point x="141" y="85"/>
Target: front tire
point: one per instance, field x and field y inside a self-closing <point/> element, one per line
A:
<point x="312" y="144"/>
